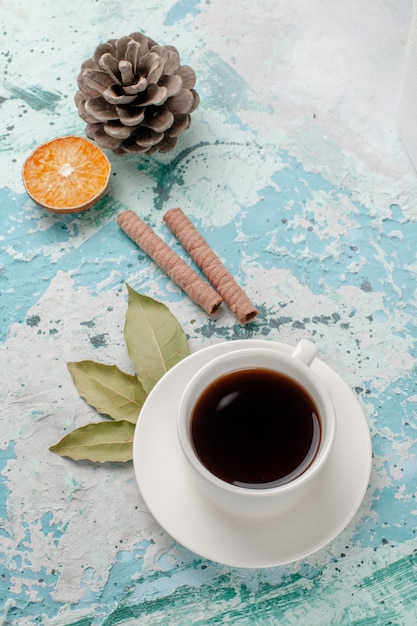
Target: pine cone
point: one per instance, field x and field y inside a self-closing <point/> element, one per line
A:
<point x="135" y="95"/>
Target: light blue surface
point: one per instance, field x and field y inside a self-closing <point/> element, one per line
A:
<point x="309" y="213"/>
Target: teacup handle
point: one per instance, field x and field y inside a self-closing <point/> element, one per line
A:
<point x="305" y="351"/>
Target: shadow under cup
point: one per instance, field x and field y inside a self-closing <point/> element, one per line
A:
<point x="256" y="427"/>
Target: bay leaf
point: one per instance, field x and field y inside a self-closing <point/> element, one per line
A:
<point x="101" y="442"/>
<point x="155" y="340"/>
<point x="108" y="389"/>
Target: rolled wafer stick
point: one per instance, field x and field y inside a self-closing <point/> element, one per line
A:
<point x="194" y="286"/>
<point x="208" y="261"/>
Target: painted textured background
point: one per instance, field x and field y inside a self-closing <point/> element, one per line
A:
<point x="293" y="171"/>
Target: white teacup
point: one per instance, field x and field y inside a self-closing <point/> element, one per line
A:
<point x="217" y="455"/>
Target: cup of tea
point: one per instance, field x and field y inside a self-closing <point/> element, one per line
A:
<point x="256" y="427"/>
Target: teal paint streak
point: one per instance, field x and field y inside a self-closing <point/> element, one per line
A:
<point x="226" y="598"/>
<point x="167" y="175"/>
<point x="202" y="593"/>
<point x="397" y="582"/>
<point x="180" y="606"/>
<point x="172" y="595"/>
<point x="390" y="618"/>
<point x="222" y="88"/>
<point x="181" y="9"/>
<point x="35" y="97"/>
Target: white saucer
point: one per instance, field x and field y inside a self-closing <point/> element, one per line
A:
<point x="176" y="503"/>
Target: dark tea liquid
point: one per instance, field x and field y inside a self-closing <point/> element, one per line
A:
<point x="255" y="428"/>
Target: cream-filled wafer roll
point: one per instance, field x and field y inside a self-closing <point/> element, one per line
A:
<point x="208" y="261"/>
<point x="183" y="275"/>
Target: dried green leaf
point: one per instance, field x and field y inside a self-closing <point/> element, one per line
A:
<point x="109" y="390"/>
<point x="102" y="442"/>
<point x="154" y="338"/>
